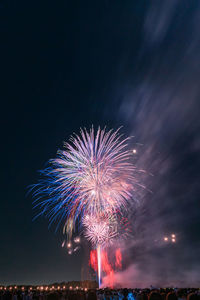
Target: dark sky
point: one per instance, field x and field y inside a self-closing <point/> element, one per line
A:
<point x="69" y="64"/>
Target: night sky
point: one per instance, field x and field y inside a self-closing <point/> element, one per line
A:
<point x="70" y="64"/>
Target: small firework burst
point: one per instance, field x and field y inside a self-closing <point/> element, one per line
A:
<point x="101" y="229"/>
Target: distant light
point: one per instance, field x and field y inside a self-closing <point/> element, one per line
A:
<point x="85" y="289"/>
<point x="77" y="239"/>
<point x="70" y="287"/>
<point x="165" y="238"/>
<point x="173" y="240"/>
<point x="173" y="235"/>
<point x="77" y="287"/>
<point x="69" y="245"/>
<point x="134" y="151"/>
<point x="15" y="287"/>
<point x="58" y="287"/>
<point x="63" y="287"/>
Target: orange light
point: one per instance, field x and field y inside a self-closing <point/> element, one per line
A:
<point x="165" y="238"/>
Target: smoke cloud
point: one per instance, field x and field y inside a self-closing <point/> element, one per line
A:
<point x="158" y="100"/>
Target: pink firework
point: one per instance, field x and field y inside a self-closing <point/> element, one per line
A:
<point x="100" y="229"/>
<point x="92" y="175"/>
<point x="97" y="171"/>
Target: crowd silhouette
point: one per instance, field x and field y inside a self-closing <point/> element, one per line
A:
<point x="100" y="294"/>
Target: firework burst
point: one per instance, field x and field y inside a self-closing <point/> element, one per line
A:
<point x="93" y="174"/>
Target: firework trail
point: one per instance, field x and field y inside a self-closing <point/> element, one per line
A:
<point x="91" y="176"/>
<point x="99" y="264"/>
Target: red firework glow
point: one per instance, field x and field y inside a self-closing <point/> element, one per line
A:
<point x="106" y="265"/>
<point x="118" y="259"/>
<point x="93" y="260"/>
<point x="107" y="268"/>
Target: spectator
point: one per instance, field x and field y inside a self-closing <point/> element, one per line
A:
<point x="192" y="296"/>
<point x="92" y="296"/>
<point x="154" y="296"/>
<point x="171" y="296"/>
